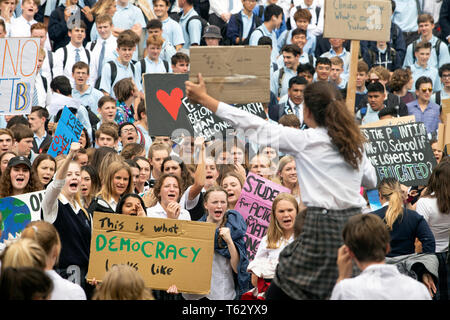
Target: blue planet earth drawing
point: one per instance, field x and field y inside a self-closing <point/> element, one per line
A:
<point x="15" y="216"/>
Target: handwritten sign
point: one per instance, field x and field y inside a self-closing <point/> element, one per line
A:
<point x="68" y="130"/>
<point x="390" y="122"/>
<point x="233" y="74"/>
<point x="206" y="124"/>
<point x="402" y="152"/>
<point x="358" y="20"/>
<point x="163" y="103"/>
<point x="19" y="58"/>
<point x="18" y="211"/>
<point x="255" y="205"/>
<point x="163" y="251"/>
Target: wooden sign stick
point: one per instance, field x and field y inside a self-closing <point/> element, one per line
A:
<point x="351" y="84"/>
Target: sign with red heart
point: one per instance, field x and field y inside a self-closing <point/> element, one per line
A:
<point x="164" y="93"/>
<point x="171" y="102"/>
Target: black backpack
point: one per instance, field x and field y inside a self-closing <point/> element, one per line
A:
<point x="238" y="18"/>
<point x="143" y="65"/>
<point x="113" y="73"/>
<point x="195" y="17"/>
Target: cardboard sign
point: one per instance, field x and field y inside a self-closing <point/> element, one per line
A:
<point x="163" y="251"/>
<point x="374" y="199"/>
<point x="19" y="59"/>
<point x="68" y="130"/>
<point x="164" y="94"/>
<point x="358" y="20"/>
<point x="207" y="125"/>
<point x="390" y="122"/>
<point x="18" y="211"/>
<point x="255" y="205"/>
<point x="233" y="74"/>
<point x="402" y="152"/>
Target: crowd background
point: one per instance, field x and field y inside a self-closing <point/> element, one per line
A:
<point x="92" y="58"/>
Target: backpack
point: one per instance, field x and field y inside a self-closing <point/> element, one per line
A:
<point x="65" y="56"/>
<point x="280" y="80"/>
<point x="392" y="54"/>
<point x="437" y="48"/>
<point x="197" y="17"/>
<point x="113" y="73"/>
<point x="437" y="97"/>
<point x="257" y="22"/>
<point x="143" y="65"/>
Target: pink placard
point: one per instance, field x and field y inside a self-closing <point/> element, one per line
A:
<point x="255" y="205"/>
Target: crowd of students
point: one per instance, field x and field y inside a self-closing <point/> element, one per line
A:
<point x="92" y="58"/>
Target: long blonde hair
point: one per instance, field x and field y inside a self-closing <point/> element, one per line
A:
<point x="122" y="282"/>
<point x="390" y="190"/>
<point x="24" y="253"/>
<point x="275" y="232"/>
<point x="106" y="192"/>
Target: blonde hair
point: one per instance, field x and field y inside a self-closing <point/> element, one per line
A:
<point x="122" y="282"/>
<point x="106" y="191"/>
<point x="109" y="158"/>
<point x="44" y="233"/>
<point x="390" y="190"/>
<point x="274" y="231"/>
<point x="24" y="253"/>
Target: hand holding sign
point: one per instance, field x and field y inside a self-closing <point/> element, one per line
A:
<point x="74" y="148"/>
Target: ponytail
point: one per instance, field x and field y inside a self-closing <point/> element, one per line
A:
<point x="330" y="111"/>
<point x="390" y="189"/>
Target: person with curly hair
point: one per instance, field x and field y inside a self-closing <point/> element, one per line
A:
<point x="17" y="178"/>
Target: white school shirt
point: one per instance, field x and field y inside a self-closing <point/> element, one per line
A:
<point x="325" y="179"/>
<point x="58" y="63"/>
<point x="64" y="289"/>
<point x="110" y="47"/>
<point x="172" y="32"/>
<point x="158" y="211"/>
<point x="380" y="282"/>
<point x="20" y="27"/>
<point x="439" y="223"/>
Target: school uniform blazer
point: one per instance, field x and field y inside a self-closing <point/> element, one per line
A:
<point x="235" y="26"/>
<point x="405" y="230"/>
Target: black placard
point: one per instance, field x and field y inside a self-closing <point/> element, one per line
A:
<point x="400" y="151"/>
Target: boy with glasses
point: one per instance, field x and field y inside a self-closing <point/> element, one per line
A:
<point x="422" y="108"/>
<point x="444" y="93"/>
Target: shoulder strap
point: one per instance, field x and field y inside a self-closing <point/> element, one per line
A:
<point x="93" y="43"/>
<point x="166" y="65"/>
<point x="88" y="54"/>
<point x="311" y="59"/>
<point x="261" y="11"/>
<point x="317" y="14"/>
<point x="437" y="48"/>
<point x="413" y="49"/>
<point x="438" y="97"/>
<point x="65" y="57"/>
<point x="280" y="80"/>
<point x="113" y="71"/>
<point x="132" y="68"/>
<point x="143" y="66"/>
<point x="50" y="61"/>
<point x="44" y="82"/>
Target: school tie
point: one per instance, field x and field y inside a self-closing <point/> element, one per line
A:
<point x="230" y="6"/>
<point x="35" y="96"/>
<point x="77" y="55"/>
<point x="100" y="59"/>
<point x="297" y="111"/>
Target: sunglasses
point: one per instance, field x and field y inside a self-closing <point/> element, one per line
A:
<point x="427" y="89"/>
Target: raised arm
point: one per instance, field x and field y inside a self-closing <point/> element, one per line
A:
<point x="50" y="201"/>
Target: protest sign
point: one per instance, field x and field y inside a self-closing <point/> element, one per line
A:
<point x="19" y="59"/>
<point x="255" y="205"/>
<point x="390" y="122"/>
<point x="18" y="211"/>
<point x="68" y="130"/>
<point x="401" y="151"/>
<point x="233" y="74"/>
<point x="206" y="124"/>
<point x="358" y="20"/>
<point x="374" y="199"/>
<point x="163" y="103"/>
<point x="163" y="251"/>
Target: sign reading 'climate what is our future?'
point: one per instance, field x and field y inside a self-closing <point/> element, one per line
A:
<point x="18" y="67"/>
<point x="165" y="252"/>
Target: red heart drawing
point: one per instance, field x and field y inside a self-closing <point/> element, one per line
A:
<point x="171" y="102"/>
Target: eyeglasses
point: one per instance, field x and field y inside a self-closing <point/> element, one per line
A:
<point x="128" y="130"/>
<point x="427" y="89"/>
